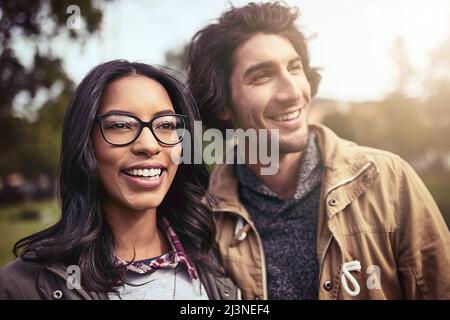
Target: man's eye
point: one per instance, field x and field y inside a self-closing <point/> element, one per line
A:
<point x="260" y="77"/>
<point x="295" y="68"/>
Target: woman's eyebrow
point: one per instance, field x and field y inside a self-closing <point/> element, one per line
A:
<point x="118" y="111"/>
<point x="162" y="112"/>
<point x="167" y="111"/>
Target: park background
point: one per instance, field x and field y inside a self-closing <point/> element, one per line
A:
<point x="385" y="66"/>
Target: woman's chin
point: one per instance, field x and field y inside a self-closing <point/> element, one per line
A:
<point x="144" y="204"/>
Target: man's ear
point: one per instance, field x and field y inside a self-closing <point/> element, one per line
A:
<point x="224" y="115"/>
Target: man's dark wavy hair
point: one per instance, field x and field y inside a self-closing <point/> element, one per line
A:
<point x="82" y="236"/>
<point x="211" y="51"/>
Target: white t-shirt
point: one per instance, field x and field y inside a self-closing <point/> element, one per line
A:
<point x="163" y="284"/>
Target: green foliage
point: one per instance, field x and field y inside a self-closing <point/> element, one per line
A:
<point x="395" y="124"/>
<point x="406" y="127"/>
<point x="33" y="147"/>
<point x="438" y="184"/>
<point x="13" y="229"/>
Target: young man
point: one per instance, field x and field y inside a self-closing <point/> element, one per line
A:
<point x="338" y="221"/>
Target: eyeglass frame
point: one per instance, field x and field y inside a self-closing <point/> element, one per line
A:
<point x="142" y="125"/>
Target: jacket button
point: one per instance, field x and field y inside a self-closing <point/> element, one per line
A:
<point x="366" y="177"/>
<point x="328" y="285"/>
<point x="226" y="293"/>
<point x="332" y="202"/>
<point x="257" y="298"/>
<point x="242" y="236"/>
<point x="57" y="294"/>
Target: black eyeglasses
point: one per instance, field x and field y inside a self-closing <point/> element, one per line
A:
<point x="120" y="129"/>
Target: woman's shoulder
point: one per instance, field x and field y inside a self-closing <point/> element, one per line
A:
<point x="18" y="280"/>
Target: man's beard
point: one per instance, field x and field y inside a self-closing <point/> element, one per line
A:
<point x="296" y="144"/>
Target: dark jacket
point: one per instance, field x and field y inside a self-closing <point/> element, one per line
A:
<point x="21" y="280"/>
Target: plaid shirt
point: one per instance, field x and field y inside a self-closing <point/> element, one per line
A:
<point x="169" y="260"/>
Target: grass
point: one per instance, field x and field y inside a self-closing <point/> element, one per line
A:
<point x="13" y="229"/>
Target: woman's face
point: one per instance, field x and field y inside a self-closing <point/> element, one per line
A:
<point x="136" y="176"/>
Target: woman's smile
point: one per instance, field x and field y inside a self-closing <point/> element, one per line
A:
<point x="145" y="176"/>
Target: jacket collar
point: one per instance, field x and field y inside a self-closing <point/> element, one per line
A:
<point x="59" y="270"/>
<point x="343" y="164"/>
<point x="223" y="187"/>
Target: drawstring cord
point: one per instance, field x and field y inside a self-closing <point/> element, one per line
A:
<point x="240" y="233"/>
<point x="348" y="267"/>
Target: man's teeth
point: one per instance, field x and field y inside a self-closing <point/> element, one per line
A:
<point x="144" y="172"/>
<point x="288" y="116"/>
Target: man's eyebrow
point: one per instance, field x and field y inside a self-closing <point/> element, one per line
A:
<point x="259" y="66"/>
<point x="267" y="65"/>
<point x="294" y="60"/>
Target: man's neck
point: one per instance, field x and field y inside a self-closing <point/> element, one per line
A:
<point x="283" y="183"/>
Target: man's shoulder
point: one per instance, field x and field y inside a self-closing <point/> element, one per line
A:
<point x="382" y="157"/>
<point x="337" y="150"/>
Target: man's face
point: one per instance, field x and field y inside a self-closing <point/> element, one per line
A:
<point x="269" y="90"/>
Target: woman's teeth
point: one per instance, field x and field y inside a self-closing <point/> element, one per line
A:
<point x="144" y="172"/>
<point x="288" y="116"/>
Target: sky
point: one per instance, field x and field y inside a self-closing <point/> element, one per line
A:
<point x="352" y="40"/>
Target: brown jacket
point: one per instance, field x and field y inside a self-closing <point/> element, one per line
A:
<point x="20" y="280"/>
<point x="375" y="213"/>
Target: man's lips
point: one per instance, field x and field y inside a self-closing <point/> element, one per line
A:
<point x="287" y="116"/>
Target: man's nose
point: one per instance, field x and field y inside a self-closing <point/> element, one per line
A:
<point x="288" y="88"/>
<point x="146" y="143"/>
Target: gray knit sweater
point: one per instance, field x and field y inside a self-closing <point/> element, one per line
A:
<point x="288" y="228"/>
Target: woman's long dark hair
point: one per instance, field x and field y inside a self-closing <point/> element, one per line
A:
<point x="82" y="236"/>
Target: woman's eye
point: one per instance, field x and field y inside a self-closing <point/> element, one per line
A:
<point x="167" y="126"/>
<point x="118" y="125"/>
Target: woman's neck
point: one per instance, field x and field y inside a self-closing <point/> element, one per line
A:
<point x="136" y="233"/>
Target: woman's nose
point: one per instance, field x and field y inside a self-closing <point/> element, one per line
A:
<point x="146" y="143"/>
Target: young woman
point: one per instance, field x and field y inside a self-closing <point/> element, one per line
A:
<point x="134" y="224"/>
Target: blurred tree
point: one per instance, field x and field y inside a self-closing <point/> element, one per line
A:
<point x="438" y="78"/>
<point x="437" y="83"/>
<point x="177" y="58"/>
<point x="40" y="88"/>
<point x="405" y="70"/>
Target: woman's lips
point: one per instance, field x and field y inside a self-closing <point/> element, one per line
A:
<point x="146" y="183"/>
